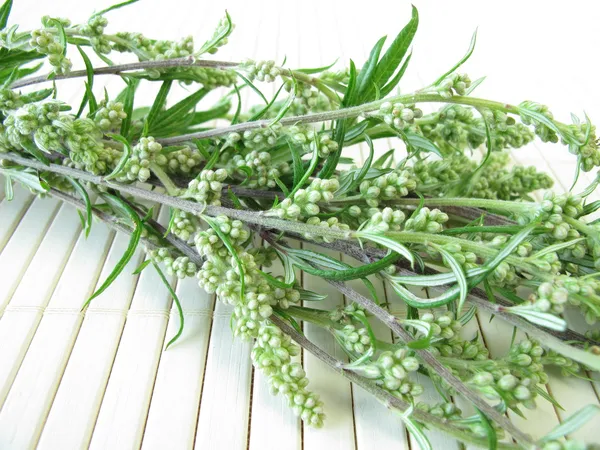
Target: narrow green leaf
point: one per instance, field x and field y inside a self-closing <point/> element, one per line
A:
<point x="238" y="109"/>
<point x="393" y="56"/>
<point x="159" y="102"/>
<point x="4" y="13"/>
<point x="287" y="105"/>
<point x="266" y="109"/>
<point x="211" y="45"/>
<point x="489" y="429"/>
<point x="463" y="60"/>
<point x="113" y="7"/>
<point x="385" y="90"/>
<point x="178" y="111"/>
<point x="572" y="423"/>
<point x="215" y="226"/>
<point x="310" y="296"/>
<point x="297" y="165"/>
<point x="88" y="204"/>
<point x="365" y="79"/>
<point x="317" y="69"/>
<point x="360" y="175"/>
<point x="543" y="319"/>
<point x="177" y="304"/>
<point x="8" y="189"/>
<point x="62" y="35"/>
<point x="458" y="272"/>
<point x="388" y="243"/>
<point x="276" y="282"/>
<point x="27" y="178"/>
<point x="89" y="94"/>
<point x="253" y="87"/>
<point x="141" y="267"/>
<point x="131" y="247"/>
<point x="124" y="157"/>
<point x="34" y="151"/>
<point x="421" y="143"/>
<point x="132" y="85"/>
<point x="415" y="430"/>
<point x="311" y="168"/>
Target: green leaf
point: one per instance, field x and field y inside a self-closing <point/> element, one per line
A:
<point x="572" y="423"/>
<point x="317" y="69"/>
<point x="388" y="243"/>
<point x="211" y="45"/>
<point x="310" y="296"/>
<point x="381" y="161"/>
<point x="414" y="428"/>
<point x="131" y="247"/>
<point x="88" y="204"/>
<point x="62" y="35"/>
<point x="113" y="7"/>
<point x="266" y="109"/>
<point x="385" y="90"/>
<point x="26" y="178"/>
<point x="391" y="59"/>
<point x="238" y="109"/>
<point x="129" y="96"/>
<point x="179" y="110"/>
<point x="159" y="102"/>
<point x="489" y="429"/>
<point x="555" y="248"/>
<point x="34" y="151"/>
<point x="341" y="124"/>
<point x="4" y="13"/>
<point x="8" y="189"/>
<point x="89" y="94"/>
<point x="218" y="111"/>
<point x="358" y="177"/>
<point x="287" y="105"/>
<point x="142" y="266"/>
<point x="542" y="319"/>
<point x="366" y="76"/>
<point x="466" y="317"/>
<point x="177" y="304"/>
<point x="463" y="60"/>
<point x="289" y="275"/>
<point x="420" y="142"/>
<point x="253" y="87"/>
<point x="311" y="167"/>
<point x="297" y="165"/>
<point x="276" y="282"/>
<point x="215" y="226"/>
<point x="124" y="157"/>
<point x="458" y="272"/>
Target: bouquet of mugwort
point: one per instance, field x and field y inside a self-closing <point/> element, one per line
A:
<point x="451" y="233"/>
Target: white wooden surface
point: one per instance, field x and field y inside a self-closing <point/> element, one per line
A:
<point x="103" y="381"/>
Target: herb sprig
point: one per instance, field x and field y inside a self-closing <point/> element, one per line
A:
<point x="438" y="218"/>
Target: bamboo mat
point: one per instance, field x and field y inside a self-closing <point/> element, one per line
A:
<point x="101" y="380"/>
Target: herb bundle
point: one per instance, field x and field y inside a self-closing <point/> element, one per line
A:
<point x="451" y="233"/>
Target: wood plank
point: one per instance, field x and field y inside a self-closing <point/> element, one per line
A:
<point x="122" y="416"/>
<point x="30" y="397"/>
<point x="17" y="254"/>
<point x="226" y="389"/>
<point x="92" y="357"/>
<point x="22" y="316"/>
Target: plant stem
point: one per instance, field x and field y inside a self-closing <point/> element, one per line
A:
<point x="392" y="323"/>
<point x="382" y="395"/>
<point x="121" y="68"/>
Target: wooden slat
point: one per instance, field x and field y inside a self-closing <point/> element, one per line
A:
<point x="28" y="402"/>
